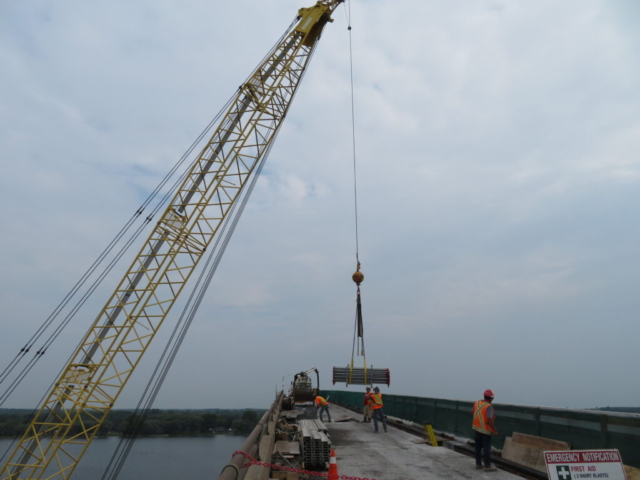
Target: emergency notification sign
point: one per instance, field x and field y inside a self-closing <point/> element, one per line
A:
<point x="591" y="464"/>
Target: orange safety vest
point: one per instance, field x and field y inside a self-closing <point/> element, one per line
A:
<point x="480" y="422"/>
<point x="377" y="401"/>
<point x="321" y="401"/>
<point x="367" y="398"/>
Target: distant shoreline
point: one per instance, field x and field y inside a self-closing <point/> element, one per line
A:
<point x="188" y="435"/>
<point x="152" y="423"/>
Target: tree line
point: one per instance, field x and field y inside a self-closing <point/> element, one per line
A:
<point x="620" y="409"/>
<point x="155" y="422"/>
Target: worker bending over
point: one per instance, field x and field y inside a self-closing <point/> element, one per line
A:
<point x="485" y="426"/>
<point x="322" y="406"/>
<point x="378" y="413"/>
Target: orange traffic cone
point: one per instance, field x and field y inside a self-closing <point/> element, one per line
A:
<point x="333" y="466"/>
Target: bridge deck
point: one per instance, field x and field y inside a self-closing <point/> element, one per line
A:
<point x="393" y="456"/>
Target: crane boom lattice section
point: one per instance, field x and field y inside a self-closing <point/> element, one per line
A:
<point x="107" y="356"/>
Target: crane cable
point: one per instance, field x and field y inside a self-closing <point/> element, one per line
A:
<point x="100" y="277"/>
<point x="168" y="356"/>
<point x="57" y="311"/>
<point x="167" y="196"/>
<point x="353" y="139"/>
<point x="358" y="330"/>
<point x="165" y="362"/>
<point x="14" y="363"/>
<point x="101" y="258"/>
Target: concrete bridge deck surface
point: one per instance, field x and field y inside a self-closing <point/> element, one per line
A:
<point x="393" y="456"/>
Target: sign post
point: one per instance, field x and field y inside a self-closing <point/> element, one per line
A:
<point x="588" y="464"/>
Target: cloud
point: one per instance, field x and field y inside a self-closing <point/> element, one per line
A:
<point x="497" y="181"/>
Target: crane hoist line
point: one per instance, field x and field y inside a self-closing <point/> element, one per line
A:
<point x="350" y="374"/>
<point x="99" y="369"/>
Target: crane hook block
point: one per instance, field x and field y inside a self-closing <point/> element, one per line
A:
<point x="358" y="277"/>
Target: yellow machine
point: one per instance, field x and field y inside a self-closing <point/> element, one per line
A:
<point x="302" y="389"/>
<point x="90" y="384"/>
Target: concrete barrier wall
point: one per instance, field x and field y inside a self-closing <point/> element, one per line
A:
<point x="583" y="429"/>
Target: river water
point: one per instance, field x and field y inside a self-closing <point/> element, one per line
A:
<point x="158" y="458"/>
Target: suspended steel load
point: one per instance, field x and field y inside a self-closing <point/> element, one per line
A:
<point x="78" y="404"/>
<point x="361" y="376"/>
<point x="351" y="375"/>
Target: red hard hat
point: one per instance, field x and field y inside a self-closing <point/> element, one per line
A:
<point x="489" y="393"/>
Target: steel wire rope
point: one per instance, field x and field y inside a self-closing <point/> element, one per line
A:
<point x="358" y="330"/>
<point x="353" y="349"/>
<point x="126" y="446"/>
<point x="45" y="325"/>
<point x="42" y="350"/>
<point x="353" y="138"/>
<point x="87" y="294"/>
<point x="105" y="272"/>
<point x="165" y="198"/>
<point x="124" y="249"/>
<point x="154" y="384"/>
<point x="148" y="219"/>
<point x="84" y="278"/>
<point x="52" y="337"/>
<point x="125" y="228"/>
<point x="157" y="379"/>
<point x="67" y="298"/>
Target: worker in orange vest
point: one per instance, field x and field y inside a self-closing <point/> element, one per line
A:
<point x="366" y="409"/>
<point x="484" y="426"/>
<point x="378" y="413"/>
<point x="322" y="406"/>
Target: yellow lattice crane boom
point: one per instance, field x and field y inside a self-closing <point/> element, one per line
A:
<point x="112" y="348"/>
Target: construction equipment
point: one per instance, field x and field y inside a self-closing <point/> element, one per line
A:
<point x="77" y="406"/>
<point x="303" y="393"/>
<point x="302" y="389"/>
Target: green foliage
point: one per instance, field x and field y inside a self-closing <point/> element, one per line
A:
<point x="13" y="423"/>
<point x="620" y="409"/>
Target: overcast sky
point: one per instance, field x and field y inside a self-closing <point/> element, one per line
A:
<point x="498" y="171"/>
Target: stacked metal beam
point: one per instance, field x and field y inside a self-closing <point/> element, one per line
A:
<point x="361" y="376"/>
<point x="315" y="445"/>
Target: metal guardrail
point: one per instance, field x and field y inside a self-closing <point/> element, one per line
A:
<point x="583" y="429"/>
<point x="259" y="444"/>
